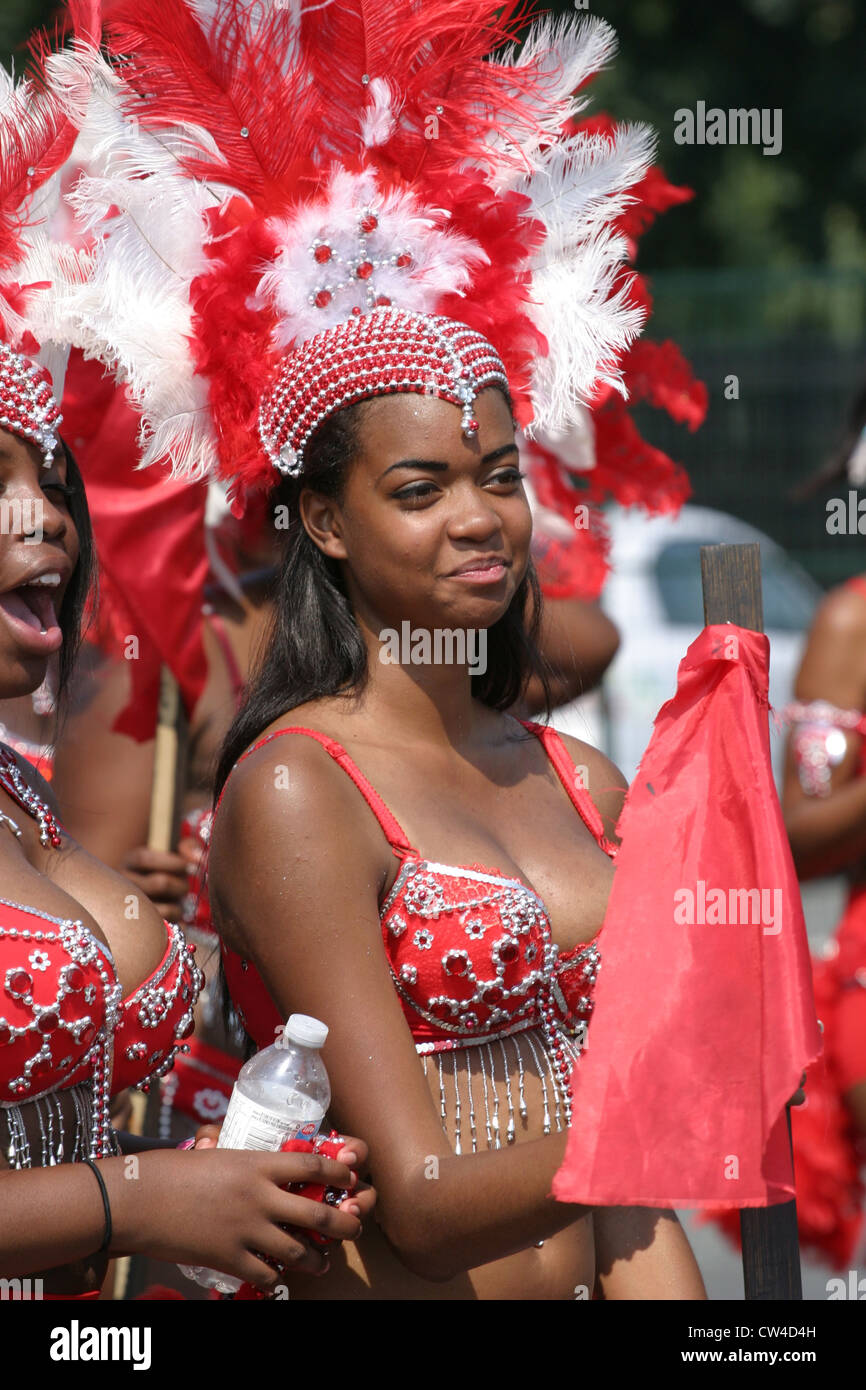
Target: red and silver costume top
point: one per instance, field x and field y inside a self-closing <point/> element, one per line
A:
<point x="63" y="1020"/>
<point x="470" y="949"/>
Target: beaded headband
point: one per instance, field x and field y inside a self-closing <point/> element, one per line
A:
<point x="27" y="404"/>
<point x="376" y="354"/>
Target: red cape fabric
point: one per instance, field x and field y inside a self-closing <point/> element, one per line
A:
<point x="149" y="535"/>
<point x="704" y="1018"/>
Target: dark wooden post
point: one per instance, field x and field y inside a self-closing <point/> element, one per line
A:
<point x="731" y="576"/>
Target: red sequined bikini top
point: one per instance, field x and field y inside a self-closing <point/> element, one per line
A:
<point x="62" y="1018"/>
<point x="59" y="992"/>
<point x="469" y="949"/>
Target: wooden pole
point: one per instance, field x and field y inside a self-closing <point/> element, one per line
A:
<point x="169" y="764"/>
<point x="731" y="577"/>
<point x="170" y="745"/>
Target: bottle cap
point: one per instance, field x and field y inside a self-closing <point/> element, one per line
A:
<point x="306" y="1031"/>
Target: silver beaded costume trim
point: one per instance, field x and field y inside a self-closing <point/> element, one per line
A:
<point x="83" y="949"/>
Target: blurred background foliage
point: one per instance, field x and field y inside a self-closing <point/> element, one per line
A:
<point x="763" y="274"/>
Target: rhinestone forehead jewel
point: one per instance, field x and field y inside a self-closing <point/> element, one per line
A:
<point x="27" y="405"/>
<point x="375" y="354"/>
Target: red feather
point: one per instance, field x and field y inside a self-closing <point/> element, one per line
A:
<point x="233" y="78"/>
<point x="658" y="373"/>
<point x="500" y="297"/>
<point x="579" y="566"/>
<point x="232" y="341"/>
<point x="629" y="469"/>
<point x="36" y="136"/>
<point x="236" y="76"/>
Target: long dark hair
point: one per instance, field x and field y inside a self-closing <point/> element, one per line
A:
<point x="315" y="649"/>
<point x="81" y="592"/>
<point x="836" y="467"/>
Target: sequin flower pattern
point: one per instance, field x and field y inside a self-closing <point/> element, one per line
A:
<point x="506" y="978"/>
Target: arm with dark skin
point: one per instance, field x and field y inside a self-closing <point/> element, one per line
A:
<point x="103" y="782"/>
<point x="102" y="778"/>
<point x="50" y="1217"/>
<point x="829" y="833"/>
<point x="578" y="642"/>
<point x="310" y="924"/>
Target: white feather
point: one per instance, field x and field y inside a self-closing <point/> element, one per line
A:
<point x="442" y="261"/>
<point x="132" y="309"/>
<point x="588" y="326"/>
<point x="377" y="125"/>
<point x="126" y="298"/>
<point x="29" y="117"/>
<point x="585" y="182"/>
<point x="565" y="53"/>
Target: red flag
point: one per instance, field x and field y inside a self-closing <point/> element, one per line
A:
<point x="149" y="535"/>
<point x="704" y="1018"/>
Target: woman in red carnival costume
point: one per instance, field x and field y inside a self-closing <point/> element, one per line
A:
<point x="369" y="295"/>
<point x="89" y="1003"/>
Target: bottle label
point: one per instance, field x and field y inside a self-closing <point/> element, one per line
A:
<point x="251" y="1126"/>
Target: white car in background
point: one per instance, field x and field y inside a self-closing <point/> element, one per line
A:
<point x="654" y="596"/>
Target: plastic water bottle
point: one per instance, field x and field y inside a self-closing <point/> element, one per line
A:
<point x="281" y="1093"/>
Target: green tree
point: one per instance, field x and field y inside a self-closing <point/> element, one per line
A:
<point x="803" y="57"/>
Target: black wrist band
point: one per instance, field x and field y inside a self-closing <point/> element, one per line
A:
<point x="106" y="1239"/>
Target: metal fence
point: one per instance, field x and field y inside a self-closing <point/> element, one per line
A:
<point x="795" y="343"/>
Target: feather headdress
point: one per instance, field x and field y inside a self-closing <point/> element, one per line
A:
<point x="37" y="132"/>
<point x="263" y="176"/>
<point x="603" y="457"/>
<point x="36" y="135"/>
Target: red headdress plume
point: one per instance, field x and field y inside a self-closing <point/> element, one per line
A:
<point x="264" y="176"/>
<point x="37" y="132"/>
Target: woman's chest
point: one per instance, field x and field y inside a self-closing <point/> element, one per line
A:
<point x="529" y="840"/>
<point x="68" y="884"/>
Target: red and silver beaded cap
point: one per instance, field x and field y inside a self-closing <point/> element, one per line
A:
<point x="373" y="354"/>
<point x="27" y="404"/>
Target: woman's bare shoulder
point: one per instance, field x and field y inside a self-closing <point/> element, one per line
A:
<point x="601" y="778"/>
<point x="287" y="787"/>
<point x="842" y="614"/>
<point x="834" y="663"/>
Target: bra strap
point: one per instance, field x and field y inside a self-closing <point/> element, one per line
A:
<point x="569" y="777"/>
<point x="392" y="829"/>
<point x="218" y="627"/>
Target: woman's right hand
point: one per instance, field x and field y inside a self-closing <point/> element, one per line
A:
<point x="225" y="1208"/>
